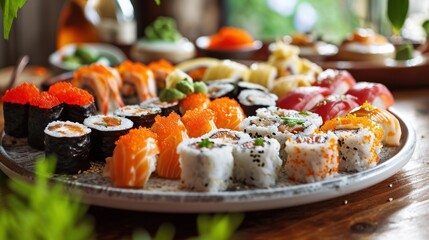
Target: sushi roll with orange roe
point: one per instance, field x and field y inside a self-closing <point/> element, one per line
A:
<point x="44" y="108"/>
<point x="171" y="132"/>
<point x="228" y="113"/>
<point x="134" y="159"/>
<point x="199" y="122"/>
<point x="78" y="103"/>
<point x="15" y="109"/>
<point x="194" y="101"/>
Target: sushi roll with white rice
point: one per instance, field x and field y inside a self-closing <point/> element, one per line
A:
<point x="218" y="90"/>
<point x="257" y="162"/>
<point x="251" y="100"/>
<point x="207" y="165"/>
<point x="227" y="136"/>
<point x="358" y="149"/>
<point x="70" y="143"/>
<point x="312" y="158"/>
<point x="166" y="107"/>
<point x="276" y="113"/>
<point x="106" y="130"/>
<point x="141" y="117"/>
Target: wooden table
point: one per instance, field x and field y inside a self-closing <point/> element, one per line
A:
<point x="396" y="208"/>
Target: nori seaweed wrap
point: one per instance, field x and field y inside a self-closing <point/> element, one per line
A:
<point x="70" y="143"/>
<point x="44" y="108"/>
<point x="141" y="117"/>
<point x="218" y="90"/>
<point x="76" y="113"/>
<point x="251" y="100"/>
<point x="15" y="109"/>
<point x="242" y="85"/>
<point x="105" y="131"/>
<point x="166" y="107"/>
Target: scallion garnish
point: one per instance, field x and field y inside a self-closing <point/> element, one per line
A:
<point x="205" y="143"/>
<point x="259" y="142"/>
<point x="292" y="122"/>
<point x="305" y="113"/>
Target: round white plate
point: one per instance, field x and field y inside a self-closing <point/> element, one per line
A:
<point x="161" y="195"/>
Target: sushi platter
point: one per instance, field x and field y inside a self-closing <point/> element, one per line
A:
<point x="161" y="195"/>
<point x="207" y="135"/>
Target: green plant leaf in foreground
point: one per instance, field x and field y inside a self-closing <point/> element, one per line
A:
<point x="397" y="11"/>
<point x="9" y="11"/>
<point x="41" y="210"/>
<point x="218" y="226"/>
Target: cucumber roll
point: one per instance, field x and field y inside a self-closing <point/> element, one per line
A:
<point x="251" y="100"/>
<point x="144" y="117"/>
<point x="105" y="131"/>
<point x="15" y="109"/>
<point x="44" y="108"/>
<point x="166" y="107"/>
<point x="257" y="162"/>
<point x="70" y="143"/>
<point x="207" y="165"/>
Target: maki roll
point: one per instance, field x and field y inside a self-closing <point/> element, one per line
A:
<point x="44" y="108"/>
<point x="227" y="136"/>
<point x="141" y="117"/>
<point x="263" y="74"/>
<point x="218" y="90"/>
<point x="312" y="158"/>
<point x="133" y="160"/>
<point x="251" y="100"/>
<point x="105" y="131"/>
<point x="207" y="165"/>
<point x="359" y="141"/>
<point x="166" y="107"/>
<point x="15" y="109"/>
<point x="70" y="143"/>
<point x="257" y="162"/>
<point x="161" y="69"/>
<point x="249" y="86"/>
<point x="78" y="103"/>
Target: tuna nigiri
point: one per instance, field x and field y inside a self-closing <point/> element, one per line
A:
<point x="228" y="113"/>
<point x="194" y="101"/>
<point x="335" y="106"/>
<point x="339" y="82"/>
<point x="134" y="159"/>
<point x="375" y="93"/>
<point x="171" y="132"/>
<point x="303" y="98"/>
<point x="199" y="122"/>
<point x="138" y="80"/>
<point x="103" y="82"/>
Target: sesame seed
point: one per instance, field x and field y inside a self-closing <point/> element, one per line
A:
<point x="390" y="199"/>
<point x="346" y="202"/>
<point x="390" y="185"/>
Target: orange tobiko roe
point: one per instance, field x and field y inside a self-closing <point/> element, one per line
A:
<point x="230" y="38"/>
<point x="128" y="66"/>
<point x="77" y="96"/>
<point x="60" y="90"/>
<point x="44" y="100"/>
<point x="228" y="113"/>
<point x="199" y="122"/>
<point x="171" y="132"/>
<point x="194" y="101"/>
<point x="97" y="68"/>
<point x="162" y="64"/>
<point x="21" y="94"/>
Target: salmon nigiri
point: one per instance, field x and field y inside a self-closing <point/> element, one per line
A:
<point x="171" y="132"/>
<point x="199" y="122"/>
<point x="102" y="81"/>
<point x="194" y="101"/>
<point x="138" y="80"/>
<point x="134" y="159"/>
<point x="228" y="113"/>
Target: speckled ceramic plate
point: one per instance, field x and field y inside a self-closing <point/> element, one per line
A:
<point x="161" y="195"/>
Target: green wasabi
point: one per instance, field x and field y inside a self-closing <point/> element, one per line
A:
<point x="200" y="87"/>
<point x="170" y="95"/>
<point x="185" y="86"/>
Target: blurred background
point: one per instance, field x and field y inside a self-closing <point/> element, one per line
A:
<point x="35" y="31"/>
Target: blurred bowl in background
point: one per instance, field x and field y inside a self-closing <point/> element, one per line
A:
<point x="236" y="53"/>
<point x="73" y="56"/>
<point x="148" y="51"/>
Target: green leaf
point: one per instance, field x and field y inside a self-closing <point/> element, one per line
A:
<point x="10" y="11"/>
<point x="397" y="11"/>
<point x="425" y="26"/>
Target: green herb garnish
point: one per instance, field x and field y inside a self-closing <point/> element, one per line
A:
<point x="292" y="122"/>
<point x="205" y="143"/>
<point x="259" y="142"/>
<point x="304" y="113"/>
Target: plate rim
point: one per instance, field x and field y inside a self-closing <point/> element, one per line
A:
<point x="234" y="201"/>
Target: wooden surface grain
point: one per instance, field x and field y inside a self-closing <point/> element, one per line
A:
<point x="396" y="208"/>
